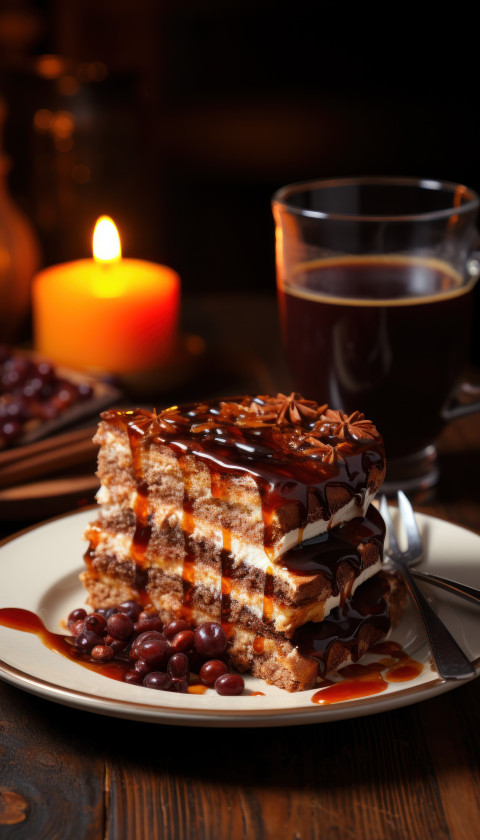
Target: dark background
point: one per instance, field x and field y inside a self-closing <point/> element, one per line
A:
<point x="180" y="118"/>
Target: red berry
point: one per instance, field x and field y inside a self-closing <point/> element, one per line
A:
<point x="229" y="685"/>
<point x="10" y="429"/>
<point x="142" y="667"/>
<point x="181" y="686"/>
<point x="158" y="679"/>
<point x="86" y="640"/>
<point x="173" y="627"/>
<point x="45" y="371"/>
<point x="133" y="677"/>
<point x="211" y="670"/>
<point x="148" y="623"/>
<point x="210" y="639"/>
<point x="196" y="661"/>
<point x="117" y="645"/>
<point x="179" y="666"/>
<point x="102" y="653"/>
<point x="149" y="634"/>
<point x="131" y="608"/>
<point x="96" y="623"/>
<point x="77" y="627"/>
<point x="76" y="615"/>
<point x="148" y="612"/>
<point x="182" y="641"/>
<point x="154" y="651"/>
<point x="120" y="625"/>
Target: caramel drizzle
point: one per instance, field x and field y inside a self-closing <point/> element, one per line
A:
<point x="217" y="484"/>
<point x="267" y="615"/>
<point x="188" y="571"/>
<point x="226" y="582"/>
<point x="89" y="556"/>
<point x="143" y="527"/>
<point x="259" y="644"/>
<point x="268" y="516"/>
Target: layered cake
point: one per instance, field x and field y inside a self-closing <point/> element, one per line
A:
<point x="253" y="512"/>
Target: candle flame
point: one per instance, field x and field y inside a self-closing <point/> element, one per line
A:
<point x="106" y="241"/>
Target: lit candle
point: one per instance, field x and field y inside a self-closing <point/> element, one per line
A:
<point x="106" y="314"/>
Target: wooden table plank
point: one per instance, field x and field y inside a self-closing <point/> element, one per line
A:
<point x="451" y="728"/>
<point x="49" y="761"/>
<point x="373" y="777"/>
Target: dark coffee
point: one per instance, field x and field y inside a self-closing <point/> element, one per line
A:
<point x="384" y="335"/>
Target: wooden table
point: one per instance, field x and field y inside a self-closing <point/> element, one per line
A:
<point x="406" y="774"/>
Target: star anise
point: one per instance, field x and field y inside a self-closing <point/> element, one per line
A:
<point x="155" y="422"/>
<point x="328" y="453"/>
<point x="233" y="410"/>
<point x="344" y="425"/>
<point x="169" y="418"/>
<point x="263" y="411"/>
<point x="142" y="420"/>
<point x="287" y="409"/>
<point x="241" y="413"/>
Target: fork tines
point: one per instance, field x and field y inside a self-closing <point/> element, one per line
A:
<point x="407" y="516"/>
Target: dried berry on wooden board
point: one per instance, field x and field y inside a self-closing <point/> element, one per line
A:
<point x="38" y="399"/>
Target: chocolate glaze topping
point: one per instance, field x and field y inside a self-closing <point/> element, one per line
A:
<point x="367" y="606"/>
<point x="291" y="447"/>
<point x="323" y="554"/>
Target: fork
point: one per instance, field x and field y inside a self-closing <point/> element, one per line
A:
<point x="469" y="593"/>
<point x="451" y="662"/>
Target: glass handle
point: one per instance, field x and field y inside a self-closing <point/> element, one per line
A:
<point x="466" y="396"/>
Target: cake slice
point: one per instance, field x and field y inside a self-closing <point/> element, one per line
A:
<point x="203" y="509"/>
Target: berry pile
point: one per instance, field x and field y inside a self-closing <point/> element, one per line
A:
<point x="32" y="391"/>
<point x="158" y="656"/>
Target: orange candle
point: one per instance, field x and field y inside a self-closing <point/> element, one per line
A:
<point x="106" y="314"/>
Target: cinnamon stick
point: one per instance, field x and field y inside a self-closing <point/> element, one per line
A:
<point x="65" y="451"/>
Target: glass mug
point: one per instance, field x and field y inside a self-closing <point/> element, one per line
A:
<point x="375" y="279"/>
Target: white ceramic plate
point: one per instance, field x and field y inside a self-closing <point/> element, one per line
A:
<point x="39" y="572"/>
